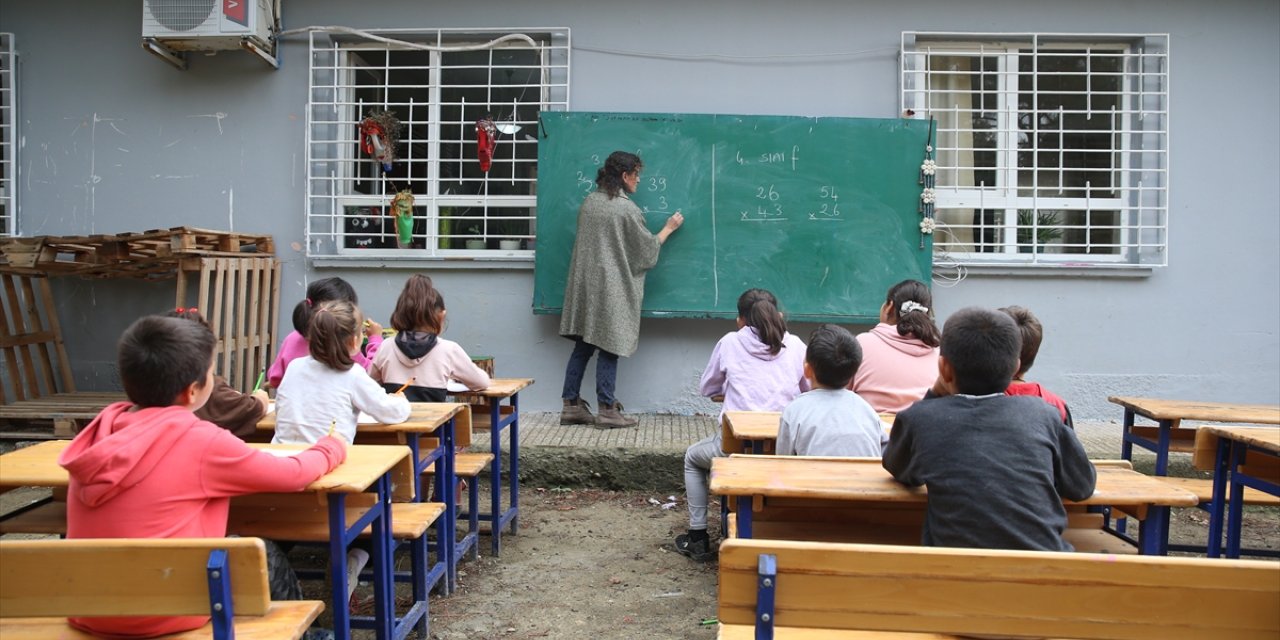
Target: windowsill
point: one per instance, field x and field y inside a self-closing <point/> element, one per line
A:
<point x="418" y="263"/>
<point x="1049" y="270"/>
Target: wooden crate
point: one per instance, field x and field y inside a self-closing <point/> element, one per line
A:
<point x="150" y="254"/>
<point x="240" y="298"/>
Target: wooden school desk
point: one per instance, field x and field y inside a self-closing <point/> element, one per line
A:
<point x="379" y="466"/>
<point x="1169" y="414"/>
<point x="752" y="478"/>
<point x="756" y="429"/>
<point x="440" y="419"/>
<point x="501" y="389"/>
<point x="1240" y="457"/>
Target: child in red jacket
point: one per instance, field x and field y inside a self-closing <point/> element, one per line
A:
<point x="149" y="468"/>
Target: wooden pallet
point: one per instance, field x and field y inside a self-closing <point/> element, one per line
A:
<point x="150" y="254"/>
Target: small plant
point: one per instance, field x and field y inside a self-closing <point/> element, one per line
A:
<point x="1048" y="227"/>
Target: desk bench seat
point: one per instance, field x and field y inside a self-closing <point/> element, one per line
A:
<point x="815" y="591"/>
<point x="1203" y="488"/>
<point x="41" y="579"/>
<point x="469" y="465"/>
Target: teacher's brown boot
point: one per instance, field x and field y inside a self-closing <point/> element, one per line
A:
<point x="576" y="412"/>
<point x="611" y="417"/>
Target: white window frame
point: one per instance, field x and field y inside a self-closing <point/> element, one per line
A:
<point x="8" y="137"/>
<point x="1140" y="172"/>
<point x="333" y="113"/>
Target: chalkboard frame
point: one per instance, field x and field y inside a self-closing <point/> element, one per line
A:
<point x="572" y="145"/>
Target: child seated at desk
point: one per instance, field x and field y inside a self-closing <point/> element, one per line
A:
<point x="831" y="420"/>
<point x="295" y="344"/>
<point x="149" y="468"/>
<point x="324" y="392"/>
<point x="997" y="466"/>
<point x="419" y="356"/>
<point x="1032" y="335"/>
<point x="899" y="355"/>
<point x="236" y="412"/>
<point x="758" y="367"/>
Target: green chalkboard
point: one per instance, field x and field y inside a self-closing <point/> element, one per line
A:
<point x="823" y="212"/>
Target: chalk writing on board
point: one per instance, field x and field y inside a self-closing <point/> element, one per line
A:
<point x="828" y="205"/>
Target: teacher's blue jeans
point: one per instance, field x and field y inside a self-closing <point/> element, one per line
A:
<point x="606" y="372"/>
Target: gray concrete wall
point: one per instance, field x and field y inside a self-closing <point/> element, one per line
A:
<point x="114" y="140"/>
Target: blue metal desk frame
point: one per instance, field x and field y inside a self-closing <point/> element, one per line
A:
<point x="1226" y="473"/>
<point x="496" y="517"/>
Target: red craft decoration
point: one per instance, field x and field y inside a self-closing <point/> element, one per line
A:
<point x="486" y="134"/>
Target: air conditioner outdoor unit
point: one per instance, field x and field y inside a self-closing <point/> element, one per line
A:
<point x="171" y="27"/>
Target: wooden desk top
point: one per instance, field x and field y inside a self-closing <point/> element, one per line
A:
<point x="37" y="466"/>
<point x="865" y="480"/>
<point x="424" y="417"/>
<point x="1158" y="409"/>
<point x="1206" y="450"/>
<point x="737" y="426"/>
<point x="499" y="388"/>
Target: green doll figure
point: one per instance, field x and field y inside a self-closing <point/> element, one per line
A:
<point x="402" y="208"/>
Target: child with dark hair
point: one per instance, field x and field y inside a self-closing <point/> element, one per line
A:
<point x="326" y="388"/>
<point x="759" y="367"/>
<point x="831" y="420"/>
<point x="1032" y="335"/>
<point x="974" y="445"/>
<point x="236" y="412"/>
<point x="149" y="468"/>
<point x="900" y="355"/>
<point x="295" y="344"/>
<point x="419" y="355"/>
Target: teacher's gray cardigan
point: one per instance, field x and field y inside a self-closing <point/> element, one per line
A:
<point x="611" y="254"/>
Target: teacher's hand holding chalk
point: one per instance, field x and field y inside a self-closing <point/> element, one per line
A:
<point x="672" y="224"/>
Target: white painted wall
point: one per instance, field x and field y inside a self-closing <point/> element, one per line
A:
<point x="114" y="140"/>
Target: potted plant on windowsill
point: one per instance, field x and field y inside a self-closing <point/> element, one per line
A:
<point x="475" y="243"/>
<point x="1048" y="228"/>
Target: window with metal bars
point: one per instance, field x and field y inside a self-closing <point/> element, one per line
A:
<point x="1051" y="149"/>
<point x="8" y="137"/>
<point x="438" y="84"/>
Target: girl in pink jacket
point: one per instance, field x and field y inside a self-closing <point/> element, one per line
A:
<point x="900" y="355"/>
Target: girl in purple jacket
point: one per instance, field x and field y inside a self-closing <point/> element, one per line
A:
<point x="759" y="367"/>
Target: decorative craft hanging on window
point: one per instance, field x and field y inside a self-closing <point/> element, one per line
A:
<point x="379" y="137"/>
<point x="486" y="140"/>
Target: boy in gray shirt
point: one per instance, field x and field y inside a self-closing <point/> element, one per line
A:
<point x="831" y="420"/>
<point x="997" y="467"/>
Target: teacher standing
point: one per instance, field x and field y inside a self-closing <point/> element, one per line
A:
<point x="612" y="252"/>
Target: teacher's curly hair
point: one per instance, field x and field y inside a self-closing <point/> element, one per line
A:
<point x="609" y="177"/>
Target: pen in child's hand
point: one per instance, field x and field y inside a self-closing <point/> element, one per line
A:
<point x="332" y="426"/>
<point x="405" y="385"/>
<point x="261" y="377"/>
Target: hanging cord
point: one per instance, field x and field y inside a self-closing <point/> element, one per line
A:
<point x="414" y="45"/>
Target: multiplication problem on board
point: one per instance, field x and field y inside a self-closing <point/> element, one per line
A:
<point x="586" y="181"/>
<point x="828" y="204"/>
<point x="651" y="194"/>
<point x="768" y="206"/>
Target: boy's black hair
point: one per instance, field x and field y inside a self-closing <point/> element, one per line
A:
<point x="1032" y="334"/>
<point x="982" y="347"/>
<point x="158" y="357"/>
<point x="834" y="356"/>
<point x="319" y="292"/>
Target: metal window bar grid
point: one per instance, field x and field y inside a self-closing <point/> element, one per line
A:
<point x="351" y="77"/>
<point x="1116" y="213"/>
<point x="8" y="137"/>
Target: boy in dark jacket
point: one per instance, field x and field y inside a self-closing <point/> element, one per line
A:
<point x="997" y="467"/>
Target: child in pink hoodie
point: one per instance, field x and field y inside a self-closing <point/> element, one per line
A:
<point x="295" y="344"/>
<point x="149" y="468"/>
<point x="759" y="367"/>
<point x="900" y="355"/>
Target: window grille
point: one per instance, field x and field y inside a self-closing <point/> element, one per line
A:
<point x="1051" y="148"/>
<point x="459" y="210"/>
<point x="8" y="137"/>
